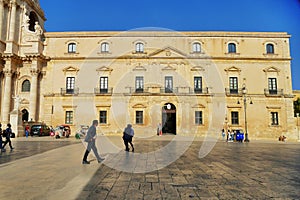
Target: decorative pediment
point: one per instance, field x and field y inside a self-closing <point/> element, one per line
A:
<point x="273" y="107"/>
<point x="103" y="106"/>
<point x="139" y="105"/>
<point x="168" y="68"/>
<point x="197" y="68"/>
<point x="104" y="69"/>
<point x="233" y="69"/>
<point x="139" y="68"/>
<point x="271" y="69"/>
<point x="198" y="106"/>
<point x="168" y="52"/>
<point x="70" y="69"/>
<point x="24" y="101"/>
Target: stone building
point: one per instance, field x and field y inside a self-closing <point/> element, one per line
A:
<point x="190" y="82"/>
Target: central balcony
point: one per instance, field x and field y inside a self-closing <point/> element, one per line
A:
<point x="69" y="91"/>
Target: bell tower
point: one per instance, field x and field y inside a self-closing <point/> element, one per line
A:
<point x="21" y="56"/>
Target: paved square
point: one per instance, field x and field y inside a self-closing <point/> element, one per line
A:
<point x="255" y="170"/>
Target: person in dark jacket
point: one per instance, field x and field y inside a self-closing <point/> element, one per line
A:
<point x="8" y="134"/>
<point x="128" y="134"/>
<point x="90" y="138"/>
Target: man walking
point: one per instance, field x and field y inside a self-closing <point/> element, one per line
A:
<point x="90" y="138"/>
<point x="7" y="136"/>
<point x="128" y="134"/>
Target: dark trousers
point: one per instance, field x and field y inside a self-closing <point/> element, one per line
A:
<point x="7" y="141"/>
<point x="91" y="146"/>
<point x="126" y="141"/>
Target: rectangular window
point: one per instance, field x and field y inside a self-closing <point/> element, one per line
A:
<point x="168" y="84"/>
<point x="69" y="117"/>
<point x="198" y="118"/>
<point x="139" y="48"/>
<point x="274" y="118"/>
<point x="196" y="47"/>
<point x="270" y="48"/>
<point x="233" y="85"/>
<point x="72" y="48"/>
<point x="139" y="84"/>
<point x="139" y="117"/>
<point x="103" y="117"/>
<point x="272" y="86"/>
<point x="234" y="118"/>
<point x="198" y="84"/>
<point x="70" y="85"/>
<point x="103" y="84"/>
<point x="231" y="48"/>
<point x="105" y="47"/>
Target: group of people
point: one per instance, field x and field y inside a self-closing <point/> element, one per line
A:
<point x="91" y="136"/>
<point x="230" y="135"/>
<point x="7" y="135"/>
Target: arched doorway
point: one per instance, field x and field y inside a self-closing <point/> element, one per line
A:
<point x="169" y="118"/>
<point x="25" y="115"/>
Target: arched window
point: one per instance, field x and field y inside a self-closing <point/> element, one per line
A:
<point x="139" y="47"/>
<point x="32" y="19"/>
<point x="231" y="48"/>
<point x="72" y="47"/>
<point x="196" y="47"/>
<point x="104" y="47"/>
<point x="270" y="48"/>
<point x="26" y="86"/>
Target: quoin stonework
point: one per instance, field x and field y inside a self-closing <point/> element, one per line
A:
<point x="191" y="82"/>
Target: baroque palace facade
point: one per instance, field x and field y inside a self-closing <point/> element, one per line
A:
<point x="190" y="82"/>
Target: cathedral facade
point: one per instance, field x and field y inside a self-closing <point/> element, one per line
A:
<point x="188" y="82"/>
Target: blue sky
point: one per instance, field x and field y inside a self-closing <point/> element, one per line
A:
<point x="179" y="15"/>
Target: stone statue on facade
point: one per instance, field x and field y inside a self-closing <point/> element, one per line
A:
<point x="38" y="29"/>
<point x="17" y="101"/>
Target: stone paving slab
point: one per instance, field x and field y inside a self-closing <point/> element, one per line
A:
<point x="255" y="170"/>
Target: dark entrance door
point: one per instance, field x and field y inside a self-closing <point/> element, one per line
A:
<point x="169" y="118"/>
<point x="25" y="115"/>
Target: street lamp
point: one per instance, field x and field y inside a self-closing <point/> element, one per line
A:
<point x="244" y="92"/>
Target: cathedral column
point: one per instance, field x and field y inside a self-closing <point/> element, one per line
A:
<point x="33" y="94"/>
<point x="1" y="18"/>
<point x="12" y="24"/>
<point x="6" y="96"/>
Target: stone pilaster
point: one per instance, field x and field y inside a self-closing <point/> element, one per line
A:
<point x="12" y="21"/>
<point x="33" y="94"/>
<point x="6" y="103"/>
<point x="1" y="18"/>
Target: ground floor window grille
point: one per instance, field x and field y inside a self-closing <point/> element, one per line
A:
<point x="103" y="117"/>
<point x="69" y="117"/>
<point x="235" y="118"/>
<point x="274" y="118"/>
<point x="198" y="118"/>
<point x="139" y="117"/>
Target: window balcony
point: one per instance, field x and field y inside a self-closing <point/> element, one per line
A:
<point x="167" y="91"/>
<point x="69" y="91"/>
<point x="200" y="91"/>
<point x="103" y="91"/>
<point x="133" y="90"/>
<point x="233" y="92"/>
<point x="273" y="93"/>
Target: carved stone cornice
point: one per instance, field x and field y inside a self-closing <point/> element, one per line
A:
<point x="30" y="57"/>
<point x="10" y="57"/>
